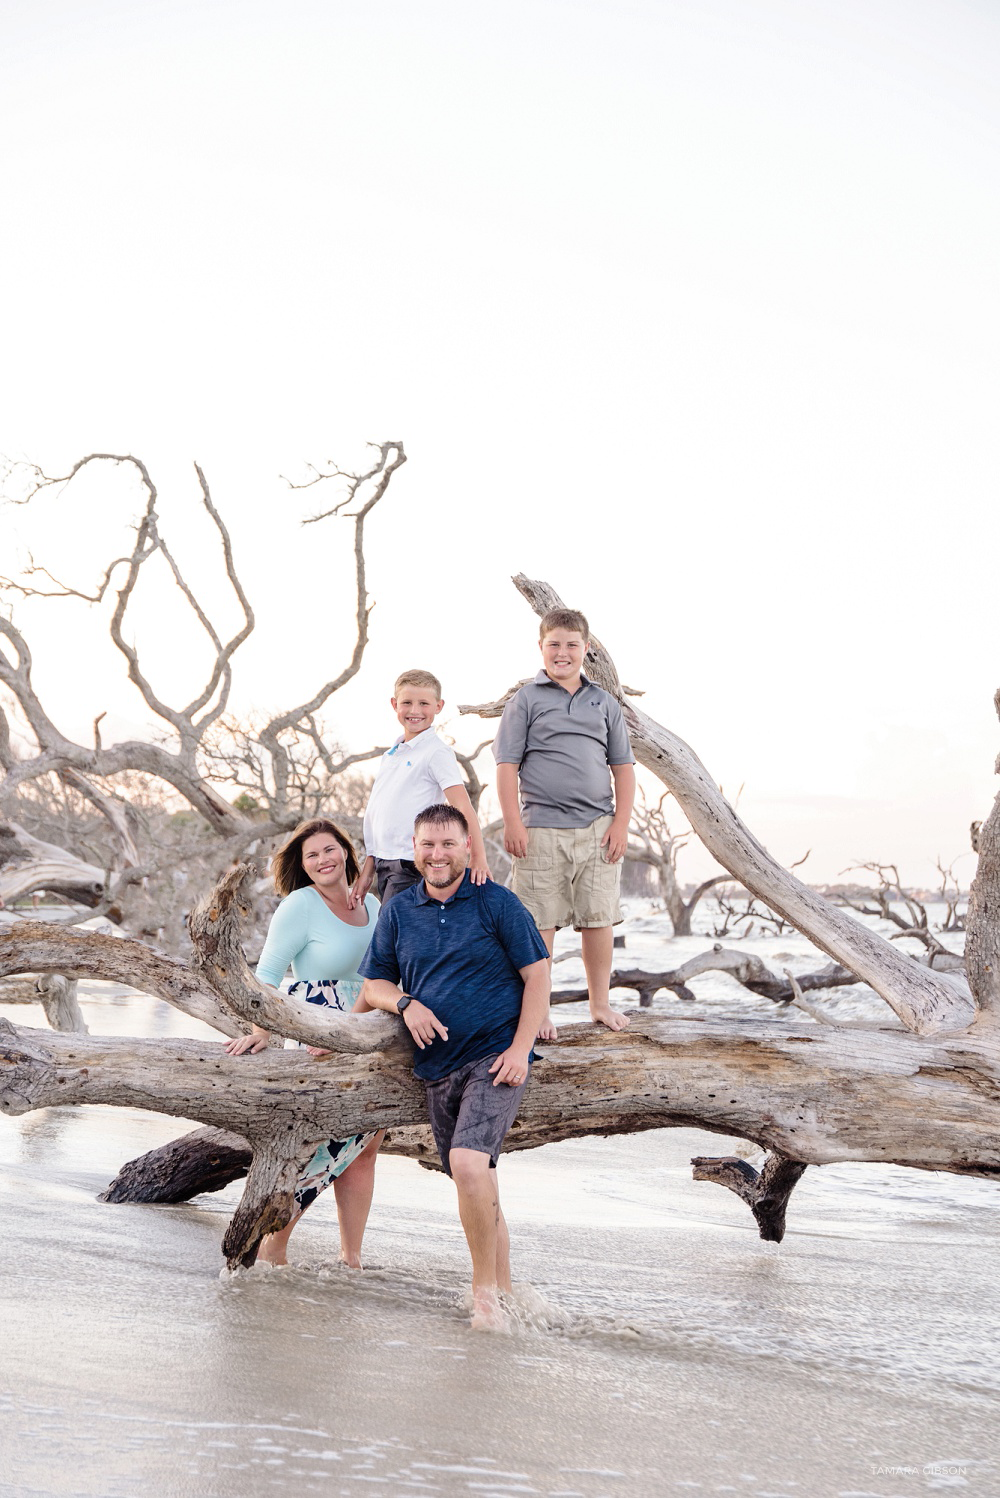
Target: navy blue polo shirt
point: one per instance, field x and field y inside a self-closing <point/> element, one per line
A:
<point x="461" y="957"/>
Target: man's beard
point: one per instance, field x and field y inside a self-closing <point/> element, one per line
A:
<point x="443" y="879"/>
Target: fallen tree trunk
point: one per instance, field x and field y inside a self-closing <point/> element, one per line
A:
<point x="204" y="1160"/>
<point x="809" y="1093"/>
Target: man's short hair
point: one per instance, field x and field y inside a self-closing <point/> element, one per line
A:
<point x="418" y="679"/>
<point x="440" y="815"/>
<point x="564" y="619"/>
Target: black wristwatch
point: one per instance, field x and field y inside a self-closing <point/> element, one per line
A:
<point x="402" y="1003"/>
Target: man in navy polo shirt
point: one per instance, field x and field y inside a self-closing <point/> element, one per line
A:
<point x="464" y="965"/>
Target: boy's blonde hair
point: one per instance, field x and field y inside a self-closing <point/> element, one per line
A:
<point x="564" y="619"/>
<point x="418" y="679"/>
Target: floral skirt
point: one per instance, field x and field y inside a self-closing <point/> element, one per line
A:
<point x="334" y="1156"/>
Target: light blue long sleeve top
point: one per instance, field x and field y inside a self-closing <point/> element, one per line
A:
<point x="305" y="933"/>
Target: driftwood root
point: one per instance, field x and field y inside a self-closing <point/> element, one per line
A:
<point x="765" y="1191"/>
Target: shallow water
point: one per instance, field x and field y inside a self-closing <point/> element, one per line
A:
<point x="659" y="1345"/>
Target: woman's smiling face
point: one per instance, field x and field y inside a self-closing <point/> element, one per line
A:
<point x="323" y="859"/>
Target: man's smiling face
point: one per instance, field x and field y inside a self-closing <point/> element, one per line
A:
<point x="441" y="853"/>
<point x="416" y="708"/>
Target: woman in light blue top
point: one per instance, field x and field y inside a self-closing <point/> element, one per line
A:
<point x="323" y="931"/>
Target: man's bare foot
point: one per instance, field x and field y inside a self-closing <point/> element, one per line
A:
<point x="548" y="1029"/>
<point x="603" y="1014"/>
<point x="487" y="1313"/>
<point x="351" y="1261"/>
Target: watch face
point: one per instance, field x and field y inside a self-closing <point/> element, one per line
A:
<point x="402" y="1003"/>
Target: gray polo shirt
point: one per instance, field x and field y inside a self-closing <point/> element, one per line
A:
<point x="562" y="746"/>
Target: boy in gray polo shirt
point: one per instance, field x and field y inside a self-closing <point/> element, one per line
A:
<point x="561" y="742"/>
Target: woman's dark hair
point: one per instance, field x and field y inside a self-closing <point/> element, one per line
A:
<point x="286" y="865"/>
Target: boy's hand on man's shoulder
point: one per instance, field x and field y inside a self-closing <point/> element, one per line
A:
<point x="615" y="841"/>
<point x="479" y="872"/>
<point x="515" y="839"/>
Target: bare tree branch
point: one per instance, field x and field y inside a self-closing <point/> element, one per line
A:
<point x="380" y="473"/>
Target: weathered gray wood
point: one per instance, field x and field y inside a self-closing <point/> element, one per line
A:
<point x="811" y="1094"/>
<point x="765" y="1192"/>
<point x="36" y="947"/>
<point x="56" y="994"/>
<point x="27" y="864"/>
<point x="745" y="967"/>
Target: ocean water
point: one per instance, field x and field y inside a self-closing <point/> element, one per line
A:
<point x="659" y="1346"/>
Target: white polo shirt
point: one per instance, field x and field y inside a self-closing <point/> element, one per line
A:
<point x="410" y="777"/>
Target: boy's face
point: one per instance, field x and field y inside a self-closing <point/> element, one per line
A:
<point x="563" y="651"/>
<point x="416" y="708"/>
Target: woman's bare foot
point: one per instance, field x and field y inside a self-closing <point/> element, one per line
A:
<point x="271" y="1252"/>
<point x="488" y="1314"/>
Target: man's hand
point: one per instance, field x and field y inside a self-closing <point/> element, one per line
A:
<point x="422" y="1023"/>
<point x="511" y="1067"/>
<point x="479" y="871"/>
<point x="615" y="841"/>
<point x="515" y="838"/>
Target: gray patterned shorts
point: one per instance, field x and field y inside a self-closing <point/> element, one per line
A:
<point x="468" y="1112"/>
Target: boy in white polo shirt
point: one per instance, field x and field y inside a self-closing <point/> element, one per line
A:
<point x="418" y="771"/>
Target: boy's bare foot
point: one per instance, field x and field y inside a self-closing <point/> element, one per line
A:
<point x="548" y="1029"/>
<point x="487" y="1313"/>
<point x="603" y="1014"/>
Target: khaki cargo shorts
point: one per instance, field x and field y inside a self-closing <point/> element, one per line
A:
<point x="564" y="879"/>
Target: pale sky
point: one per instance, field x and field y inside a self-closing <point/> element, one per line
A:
<point x="690" y="308"/>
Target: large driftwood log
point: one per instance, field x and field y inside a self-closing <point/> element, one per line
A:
<point x="811" y="1094"/>
<point x="27" y="864"/>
